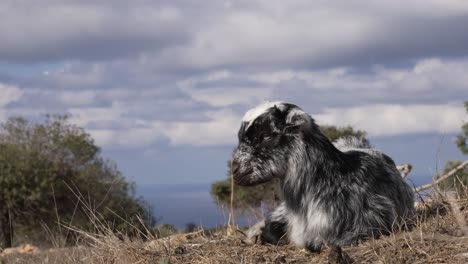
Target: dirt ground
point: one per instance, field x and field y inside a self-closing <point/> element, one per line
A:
<point x="436" y="238"/>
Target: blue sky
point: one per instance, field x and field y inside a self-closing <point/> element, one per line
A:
<point x="162" y="85"/>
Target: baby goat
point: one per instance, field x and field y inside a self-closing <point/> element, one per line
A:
<point x="332" y="194"/>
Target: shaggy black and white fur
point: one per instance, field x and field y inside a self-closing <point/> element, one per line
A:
<point x="332" y="194"/>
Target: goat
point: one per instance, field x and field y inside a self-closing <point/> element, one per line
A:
<point x="331" y="194"/>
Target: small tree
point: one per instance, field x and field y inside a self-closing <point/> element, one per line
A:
<point x="49" y="170"/>
<point x="463" y="135"/>
<point x="459" y="181"/>
<point x="333" y="133"/>
<point x="249" y="199"/>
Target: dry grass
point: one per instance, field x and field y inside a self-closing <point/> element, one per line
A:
<point x="439" y="235"/>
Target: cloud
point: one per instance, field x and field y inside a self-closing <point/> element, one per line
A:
<point x="77" y="98"/>
<point x="427" y="81"/>
<point x="377" y="120"/>
<point x="86" y="30"/>
<point x="149" y="71"/>
<point x="9" y="94"/>
<point x="322" y="34"/>
<point x="157" y="82"/>
<point x="179" y="36"/>
<point x="227" y="96"/>
<point x="225" y="88"/>
<point x="389" y="120"/>
<point x="220" y="130"/>
<point x="204" y="109"/>
<point x="97" y="116"/>
<point x="126" y="138"/>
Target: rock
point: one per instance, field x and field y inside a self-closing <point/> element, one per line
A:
<point x="180" y="250"/>
<point x="22" y="249"/>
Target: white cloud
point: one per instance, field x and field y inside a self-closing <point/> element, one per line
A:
<point x="102" y="137"/>
<point x="265" y="32"/>
<point x="126" y="137"/>
<point x="77" y="97"/>
<point x="220" y="130"/>
<point x="135" y="73"/>
<point x="436" y="8"/>
<point x="9" y="94"/>
<point x="177" y="35"/>
<point x="114" y="129"/>
<point x="3" y="115"/>
<point x="389" y="120"/>
<point x="226" y="96"/>
<point x="165" y="76"/>
<point x="81" y="29"/>
<point x="428" y="81"/>
<point x="320" y="33"/>
<point x="96" y="115"/>
<point x="77" y="74"/>
<point x="384" y="101"/>
<point x="377" y="120"/>
<point x="206" y="108"/>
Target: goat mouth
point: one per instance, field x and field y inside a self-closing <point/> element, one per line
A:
<point x="249" y="179"/>
<point x="243" y="178"/>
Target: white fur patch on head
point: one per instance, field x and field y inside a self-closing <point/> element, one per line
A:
<point x="253" y="113"/>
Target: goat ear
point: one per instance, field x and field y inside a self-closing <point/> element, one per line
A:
<point x="296" y="120"/>
<point x="276" y="111"/>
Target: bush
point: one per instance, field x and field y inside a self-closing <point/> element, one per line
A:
<point x="50" y="170"/>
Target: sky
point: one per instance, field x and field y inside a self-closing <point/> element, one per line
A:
<point x="162" y="85"/>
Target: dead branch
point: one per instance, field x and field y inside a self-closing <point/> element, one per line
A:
<point x="452" y="199"/>
<point x="231" y="225"/>
<point x="442" y="178"/>
<point x="404" y="169"/>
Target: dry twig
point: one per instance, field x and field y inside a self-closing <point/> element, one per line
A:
<point x="442" y="178"/>
<point x="459" y="217"/>
<point x="231" y="225"/>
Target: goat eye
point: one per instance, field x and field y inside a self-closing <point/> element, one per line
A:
<point x="267" y="137"/>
